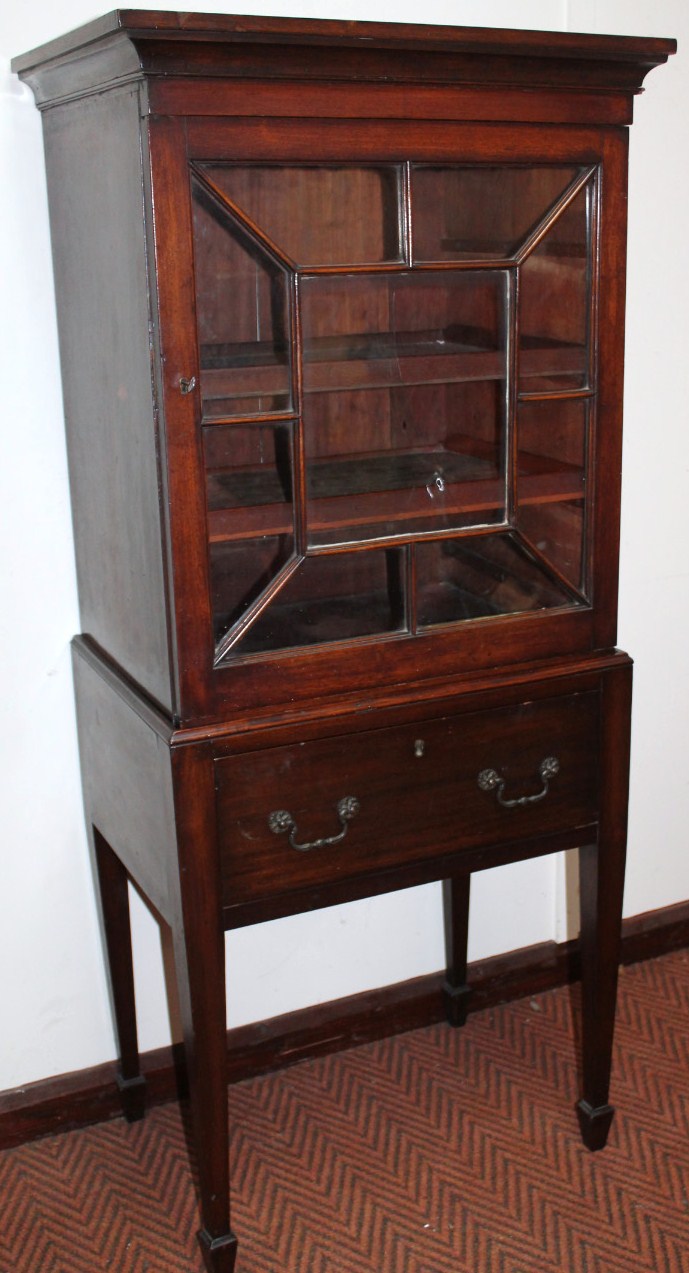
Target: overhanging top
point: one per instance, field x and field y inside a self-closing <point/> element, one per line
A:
<point x="135" y="43"/>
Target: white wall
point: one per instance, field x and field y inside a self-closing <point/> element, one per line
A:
<point x="53" y="1003"/>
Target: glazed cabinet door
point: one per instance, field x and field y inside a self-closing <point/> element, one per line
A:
<point x="392" y="388"/>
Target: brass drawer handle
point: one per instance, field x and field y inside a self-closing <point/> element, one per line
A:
<point x="281" y="821"/>
<point x="490" y="780"/>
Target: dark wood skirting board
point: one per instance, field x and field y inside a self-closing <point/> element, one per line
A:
<point x="88" y="1096"/>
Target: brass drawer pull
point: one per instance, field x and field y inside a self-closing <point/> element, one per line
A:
<point x="490" y="780"/>
<point x="281" y="821"/>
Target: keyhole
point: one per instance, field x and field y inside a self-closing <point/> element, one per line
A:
<point x="437" y="483"/>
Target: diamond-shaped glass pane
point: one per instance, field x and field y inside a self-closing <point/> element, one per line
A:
<point x="320" y="214"/>
<point x="242" y="312"/>
<point x="551" y="473"/>
<point x="554" y="304"/>
<point x="333" y="598"/>
<point x="480" y="212"/>
<point x="475" y="577"/>
<point x="249" y="492"/>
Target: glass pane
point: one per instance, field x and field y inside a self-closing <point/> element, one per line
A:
<point x="404" y="413"/>
<point x="480" y="213"/>
<point x="325" y="215"/>
<point x="240" y="572"/>
<point x="249" y="481"/>
<point x="551" y="468"/>
<point x="554" y="303"/>
<point x="242" y="310"/>
<point x="478" y="576"/>
<point x="333" y="598"/>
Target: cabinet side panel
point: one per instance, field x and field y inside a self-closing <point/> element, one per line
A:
<point x="127" y="776"/>
<point x="93" y="157"/>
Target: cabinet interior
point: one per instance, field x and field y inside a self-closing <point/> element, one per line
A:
<point x="397" y="394"/>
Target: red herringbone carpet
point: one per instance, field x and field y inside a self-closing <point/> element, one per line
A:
<point x="439" y="1151"/>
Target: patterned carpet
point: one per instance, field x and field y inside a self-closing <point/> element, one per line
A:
<point x="439" y="1151"/>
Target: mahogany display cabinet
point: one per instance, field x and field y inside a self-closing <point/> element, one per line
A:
<point x="341" y="316"/>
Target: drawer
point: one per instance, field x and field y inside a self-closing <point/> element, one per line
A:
<point x="409" y="792"/>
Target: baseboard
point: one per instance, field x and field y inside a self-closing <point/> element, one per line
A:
<point x="90" y="1096"/>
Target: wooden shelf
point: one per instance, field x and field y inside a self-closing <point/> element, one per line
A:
<point x="379" y="360"/>
<point x="369" y="491"/>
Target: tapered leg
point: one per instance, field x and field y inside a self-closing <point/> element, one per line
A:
<point x="200" y="976"/>
<point x="601" y="916"/>
<point x="199" y="945"/>
<point x="114" y="894"/>
<point x="601" y="873"/>
<point x="456" y="992"/>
